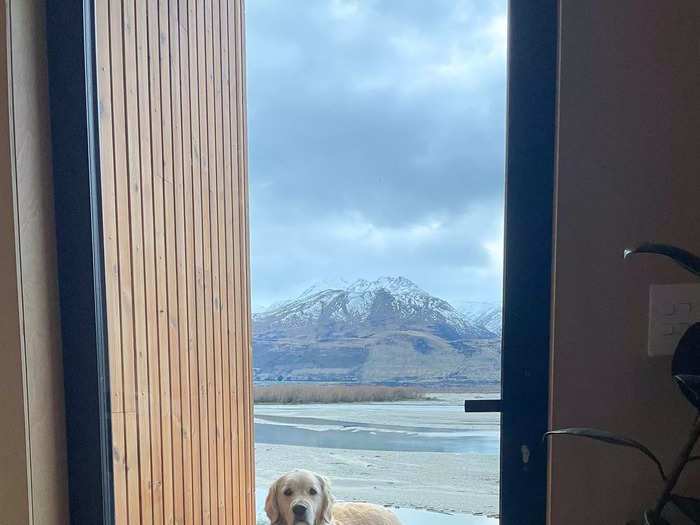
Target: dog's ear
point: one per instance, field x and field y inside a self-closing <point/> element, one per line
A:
<point x="271" y="508"/>
<point x="325" y="515"/>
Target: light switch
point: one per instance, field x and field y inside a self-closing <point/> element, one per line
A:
<point x="672" y="309"/>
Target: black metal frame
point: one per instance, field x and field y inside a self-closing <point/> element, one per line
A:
<point x="530" y="158"/>
<point x="530" y="161"/>
<point x="74" y="114"/>
<point x="530" y="150"/>
<point x="482" y="405"/>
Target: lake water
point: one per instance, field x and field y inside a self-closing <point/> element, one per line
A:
<point x="410" y="433"/>
<point x="309" y="425"/>
<point x="406" y="440"/>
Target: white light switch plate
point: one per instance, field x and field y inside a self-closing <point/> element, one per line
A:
<point x="672" y="309"/>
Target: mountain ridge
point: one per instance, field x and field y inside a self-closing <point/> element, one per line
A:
<point x="384" y="331"/>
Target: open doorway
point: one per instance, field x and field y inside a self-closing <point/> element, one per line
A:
<point x="377" y="146"/>
<point x="173" y="40"/>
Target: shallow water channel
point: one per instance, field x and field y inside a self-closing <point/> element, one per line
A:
<point x="439" y="426"/>
<point x="396" y="427"/>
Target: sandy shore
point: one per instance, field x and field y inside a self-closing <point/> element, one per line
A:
<point x="437" y="481"/>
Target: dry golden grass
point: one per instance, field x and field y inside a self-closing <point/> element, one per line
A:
<point x="301" y="394"/>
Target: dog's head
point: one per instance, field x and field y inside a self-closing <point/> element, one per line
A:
<point x="300" y="497"/>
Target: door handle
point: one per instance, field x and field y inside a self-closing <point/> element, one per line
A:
<point x="482" y="405"/>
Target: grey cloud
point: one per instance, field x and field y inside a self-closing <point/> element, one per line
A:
<point x="388" y="114"/>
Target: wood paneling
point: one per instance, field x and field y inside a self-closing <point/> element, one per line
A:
<point x="174" y="191"/>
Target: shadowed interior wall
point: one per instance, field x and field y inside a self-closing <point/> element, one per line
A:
<point x="33" y="484"/>
<point x="14" y="493"/>
<point x="628" y="170"/>
<point x="171" y="88"/>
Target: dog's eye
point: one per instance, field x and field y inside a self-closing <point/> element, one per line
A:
<point x="288" y="492"/>
<point x="312" y="491"/>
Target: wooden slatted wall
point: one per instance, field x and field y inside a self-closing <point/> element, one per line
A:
<point x="171" y="87"/>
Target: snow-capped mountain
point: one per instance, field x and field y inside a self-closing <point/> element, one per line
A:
<point x="388" y="330"/>
<point x="394" y="301"/>
<point x="486" y="314"/>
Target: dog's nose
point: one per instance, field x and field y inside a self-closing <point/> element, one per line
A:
<point x="299" y="508"/>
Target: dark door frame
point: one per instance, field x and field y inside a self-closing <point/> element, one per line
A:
<point x="530" y="165"/>
<point x="75" y="152"/>
<point x="530" y="159"/>
<point x="530" y="154"/>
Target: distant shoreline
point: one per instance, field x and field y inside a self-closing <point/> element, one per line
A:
<point x="307" y="393"/>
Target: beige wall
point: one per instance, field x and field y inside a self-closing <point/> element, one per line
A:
<point x="14" y="497"/>
<point x="32" y="363"/>
<point x="628" y="170"/>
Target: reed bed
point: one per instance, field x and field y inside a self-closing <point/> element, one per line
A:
<point x="303" y="394"/>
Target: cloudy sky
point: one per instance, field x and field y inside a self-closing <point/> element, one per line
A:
<point x="377" y="139"/>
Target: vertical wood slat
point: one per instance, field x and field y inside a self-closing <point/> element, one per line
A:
<point x="151" y="206"/>
<point x="223" y="282"/>
<point x="149" y="145"/>
<point x="236" y="241"/>
<point x="134" y="186"/>
<point x="192" y="497"/>
<point x="230" y="159"/>
<point x="170" y="361"/>
<point x="214" y="57"/>
<point x="127" y="350"/>
<point x="246" y="348"/>
<point x="174" y="191"/>
<point x="111" y="254"/>
<point x="176" y="312"/>
<point x="195" y="282"/>
<point x="201" y="228"/>
<point x="208" y="165"/>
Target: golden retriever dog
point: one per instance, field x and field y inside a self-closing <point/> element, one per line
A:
<point x="302" y="497"/>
